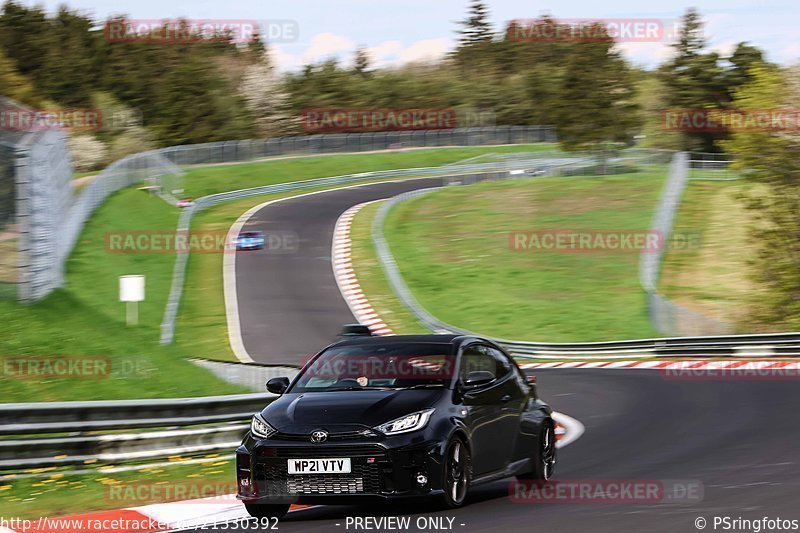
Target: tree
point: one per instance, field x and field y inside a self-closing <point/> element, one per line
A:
<point x="14" y="85"/>
<point x="474" y="53"/>
<point x="596" y="104"/>
<point x="266" y="99"/>
<point x="771" y="160"/>
<point x="361" y="62"/>
<point x="476" y="28"/>
<point x="695" y="80"/>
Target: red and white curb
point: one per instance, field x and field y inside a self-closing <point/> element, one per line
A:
<point x="670" y="365"/>
<point x="346" y="277"/>
<point x="188" y="514"/>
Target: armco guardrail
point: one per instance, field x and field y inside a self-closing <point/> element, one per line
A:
<point x="67" y="433"/>
<point x="495" y="169"/>
<point x="666" y="316"/>
<point x="64" y="433"/>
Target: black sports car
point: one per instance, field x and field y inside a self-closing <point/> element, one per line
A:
<point x="376" y="418"/>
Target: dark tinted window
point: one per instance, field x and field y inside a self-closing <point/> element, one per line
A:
<point x="376" y="366"/>
<point x="504" y="366"/>
<point x="476" y="358"/>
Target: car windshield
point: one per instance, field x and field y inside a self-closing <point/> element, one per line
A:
<point x="250" y="235"/>
<point x="379" y="366"/>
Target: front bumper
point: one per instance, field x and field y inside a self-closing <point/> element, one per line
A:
<point x="379" y="471"/>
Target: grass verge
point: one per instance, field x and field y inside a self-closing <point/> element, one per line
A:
<point x="50" y="492"/>
<point x="453" y="248"/>
<point x="85" y="319"/>
<point x="225" y="177"/>
<point x="712" y="274"/>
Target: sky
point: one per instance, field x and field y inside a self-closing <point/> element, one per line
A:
<point x="398" y="32"/>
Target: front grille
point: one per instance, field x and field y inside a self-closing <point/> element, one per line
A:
<point x="321" y="485"/>
<point x="272" y="477"/>
<point x="322" y="452"/>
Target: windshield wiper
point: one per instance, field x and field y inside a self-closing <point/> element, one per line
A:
<point x="424" y="386"/>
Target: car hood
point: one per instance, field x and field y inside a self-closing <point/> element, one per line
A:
<point x="302" y="412"/>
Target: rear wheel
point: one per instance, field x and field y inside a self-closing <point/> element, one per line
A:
<point x="267" y="510"/>
<point x="544" y="459"/>
<point x="457" y="473"/>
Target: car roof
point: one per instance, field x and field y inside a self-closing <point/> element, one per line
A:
<point x="404" y="339"/>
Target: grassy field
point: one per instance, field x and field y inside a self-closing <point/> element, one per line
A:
<point x="85" y="319"/>
<point x="712" y="277"/>
<point x="453" y="248"/>
<point x="225" y="177"/>
<point x="49" y="492"/>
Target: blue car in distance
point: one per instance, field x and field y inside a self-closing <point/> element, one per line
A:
<point x="250" y="240"/>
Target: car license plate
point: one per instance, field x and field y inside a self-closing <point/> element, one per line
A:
<point x="319" y="466"/>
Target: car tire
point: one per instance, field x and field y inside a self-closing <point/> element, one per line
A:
<point x="267" y="510"/>
<point x="456" y="473"/>
<point x="544" y="459"/>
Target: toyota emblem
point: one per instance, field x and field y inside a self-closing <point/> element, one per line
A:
<point x="318" y="437"/>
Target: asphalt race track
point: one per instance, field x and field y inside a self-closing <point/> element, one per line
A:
<point x="742" y="444"/>
<point x="289" y="304"/>
<point x="738" y="438"/>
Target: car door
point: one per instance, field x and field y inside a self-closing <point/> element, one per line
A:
<point x="485" y="411"/>
<point x="513" y="400"/>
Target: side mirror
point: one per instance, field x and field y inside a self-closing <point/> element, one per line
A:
<point x="478" y="377"/>
<point x="278" y="385"/>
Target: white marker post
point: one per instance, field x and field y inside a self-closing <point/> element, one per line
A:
<point x="131" y="290"/>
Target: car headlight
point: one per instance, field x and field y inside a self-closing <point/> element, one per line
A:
<point x="260" y="428"/>
<point x="411" y="422"/>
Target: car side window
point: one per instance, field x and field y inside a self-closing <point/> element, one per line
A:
<point x="476" y="358"/>
<point x="502" y="365"/>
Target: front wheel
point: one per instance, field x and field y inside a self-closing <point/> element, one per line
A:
<point x="457" y="473"/>
<point x="544" y="460"/>
<point x="267" y="510"/>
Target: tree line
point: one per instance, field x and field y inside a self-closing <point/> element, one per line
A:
<point x="210" y="90"/>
